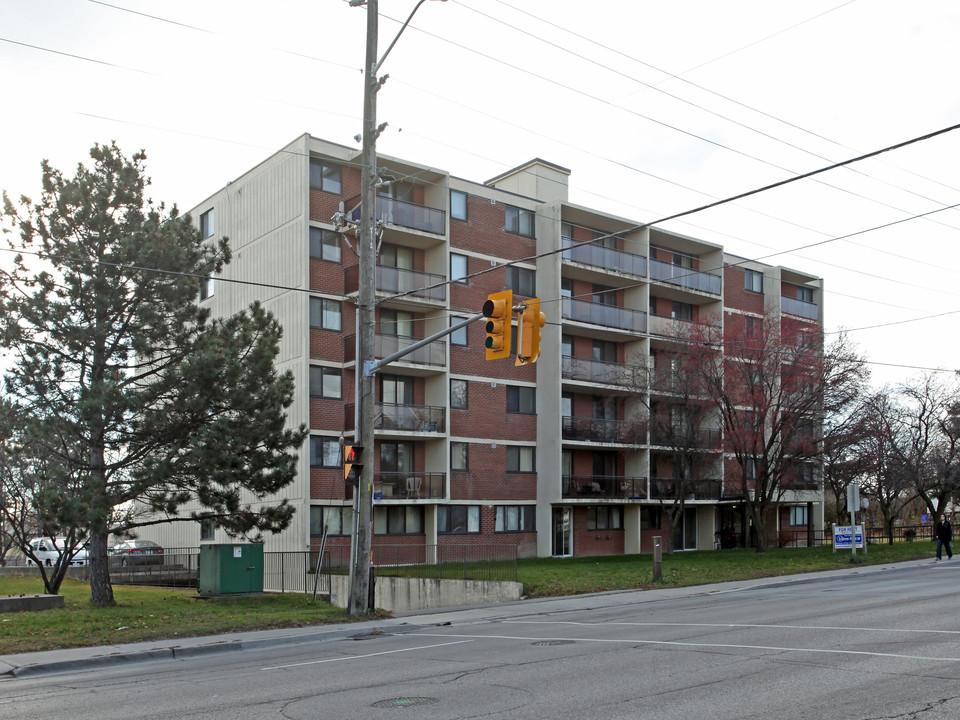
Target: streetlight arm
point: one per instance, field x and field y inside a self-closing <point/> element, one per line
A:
<point x="376" y="69"/>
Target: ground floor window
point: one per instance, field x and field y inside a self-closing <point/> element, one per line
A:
<point x="339" y="520"/>
<point x="798" y="515"/>
<point x="604" y="517"/>
<point x="398" y="520"/>
<point x="516" y="518"/>
<point x="458" y="519"/>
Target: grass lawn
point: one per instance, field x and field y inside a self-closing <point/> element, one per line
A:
<point x="145" y="613"/>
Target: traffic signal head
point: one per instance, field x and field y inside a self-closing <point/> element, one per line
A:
<point x="498" y="309"/>
<point x="531" y="320"/>
<point x="352" y="463"/>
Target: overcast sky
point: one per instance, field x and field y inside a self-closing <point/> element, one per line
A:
<point x="656" y="108"/>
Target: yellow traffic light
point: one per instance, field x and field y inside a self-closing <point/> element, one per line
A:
<point x="498" y="309"/>
<point x="352" y="463"/>
<point x="531" y="320"/>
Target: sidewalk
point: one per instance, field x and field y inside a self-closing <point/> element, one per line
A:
<point x="54" y="661"/>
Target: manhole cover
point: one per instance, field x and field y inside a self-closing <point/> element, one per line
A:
<point x="554" y="642"/>
<point x="404" y="702"/>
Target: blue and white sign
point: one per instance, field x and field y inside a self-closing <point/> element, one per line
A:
<point x="841" y="537"/>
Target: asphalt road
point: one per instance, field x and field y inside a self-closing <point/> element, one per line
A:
<point x="878" y="643"/>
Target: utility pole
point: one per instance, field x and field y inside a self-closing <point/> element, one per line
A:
<point x="365" y="368"/>
<point x="366" y="317"/>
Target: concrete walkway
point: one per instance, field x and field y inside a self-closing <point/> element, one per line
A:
<point x="73" y="659"/>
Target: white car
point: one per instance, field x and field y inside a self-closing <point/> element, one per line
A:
<point x="48" y="551"/>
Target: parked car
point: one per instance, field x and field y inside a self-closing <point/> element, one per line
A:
<point x="136" y="552"/>
<point x="48" y="551"/>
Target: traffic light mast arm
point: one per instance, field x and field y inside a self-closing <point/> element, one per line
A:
<point x="371" y="367"/>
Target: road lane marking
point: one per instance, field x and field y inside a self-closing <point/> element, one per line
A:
<point x="732" y="625"/>
<point x="370" y="655"/>
<point x="711" y="646"/>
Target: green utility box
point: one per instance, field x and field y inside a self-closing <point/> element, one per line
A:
<point x="230" y="569"/>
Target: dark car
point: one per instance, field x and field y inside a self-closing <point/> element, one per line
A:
<point x="136" y="552"/>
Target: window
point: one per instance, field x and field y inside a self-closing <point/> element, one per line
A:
<point x="519" y="221"/>
<point x="324" y="452"/>
<point x="458" y="394"/>
<point x="398" y="520"/>
<point x="206" y="224"/>
<point x="753" y="281"/>
<point x="566" y="288"/>
<point x="325" y="382"/>
<point x="521" y="399"/>
<point x="458" y="456"/>
<point x="459" y="336"/>
<point x="516" y="518"/>
<point x="455" y="519"/>
<point x="399" y="190"/>
<point x="396" y="457"/>
<point x="326" y="177"/>
<point x="521" y="459"/>
<point x="206" y="288"/>
<point x="750" y="469"/>
<point x="805" y="294"/>
<point x="339" y="520"/>
<point x="604" y="295"/>
<point x="458" y="205"/>
<point x="396" y="256"/>
<point x="324" y="244"/>
<point x="605" y="351"/>
<point x="522" y="281"/>
<point x="566" y="405"/>
<point x="681" y="311"/>
<point x="396" y="322"/>
<point x="650" y="518"/>
<point x="458" y="267"/>
<point x="798" y="515"/>
<point x="604" y="517"/>
<point x="681" y="260"/>
<point x="751" y="326"/>
<point x="325" y="314"/>
<point x="206" y="529"/>
<point x="566" y="345"/>
<point x="396" y="389"/>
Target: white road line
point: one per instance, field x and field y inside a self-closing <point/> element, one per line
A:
<point x="911" y="631"/>
<point x="359" y="657"/>
<point x="711" y="646"/>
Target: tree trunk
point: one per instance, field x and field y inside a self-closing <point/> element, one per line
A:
<point x="101" y="591"/>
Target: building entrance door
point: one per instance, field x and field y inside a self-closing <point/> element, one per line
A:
<point x="685" y="533"/>
<point x="562" y="532"/>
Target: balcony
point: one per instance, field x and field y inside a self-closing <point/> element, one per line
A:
<point x="409" y="486"/>
<point x="685" y="277"/>
<point x="705" y="438"/>
<point x="605" y="315"/>
<point x="598" y="371"/>
<point x="604" y="258"/>
<point x="602" y="430"/>
<point x="412" y="418"/>
<point x="408" y="215"/>
<point x="804" y="309"/>
<point x="434" y="354"/>
<point x="667" y="488"/>
<point x="393" y="281"/>
<point x="604" y="486"/>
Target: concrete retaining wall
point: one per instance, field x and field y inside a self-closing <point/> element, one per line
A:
<point x="399" y="594"/>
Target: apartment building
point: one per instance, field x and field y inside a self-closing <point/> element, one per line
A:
<point x="557" y="458"/>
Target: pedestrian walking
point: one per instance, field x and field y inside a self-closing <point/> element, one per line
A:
<point x="944" y="533"/>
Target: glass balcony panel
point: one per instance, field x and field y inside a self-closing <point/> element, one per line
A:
<point x="409" y="485"/>
<point x="802" y="308"/>
<point x="603" y="257"/>
<point x="604" y="486"/>
<point x="602" y="430"/>
<point x="685" y="277"/>
<point x="606" y="315"/>
<point x="599" y="371"/>
<point x="415" y="284"/>
<point x="408" y="215"/>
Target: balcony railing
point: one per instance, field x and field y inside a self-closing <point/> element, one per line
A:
<point x="604" y="486"/>
<point x="703" y="438"/>
<point x="398" y="280"/>
<point x="606" y="315"/>
<point x="604" y="257"/>
<point x="598" y="371"/>
<point x="389" y="416"/>
<point x="802" y="308"/>
<point x="384" y="345"/>
<point x="602" y="430"/>
<point x="409" y="485"/>
<point x="685" y="277"/>
<point x="408" y="215"/>
<point x="667" y="489"/>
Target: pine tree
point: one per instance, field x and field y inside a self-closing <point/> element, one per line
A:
<point x="120" y="375"/>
